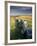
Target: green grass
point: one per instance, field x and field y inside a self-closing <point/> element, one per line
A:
<point x="14" y="34"/>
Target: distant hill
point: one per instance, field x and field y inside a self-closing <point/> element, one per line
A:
<point x="26" y="17"/>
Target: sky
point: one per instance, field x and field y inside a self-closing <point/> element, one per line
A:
<point x="17" y="10"/>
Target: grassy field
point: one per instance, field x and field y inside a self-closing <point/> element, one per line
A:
<point x="15" y="32"/>
<point x="28" y="18"/>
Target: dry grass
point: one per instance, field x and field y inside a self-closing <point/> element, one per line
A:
<point x="26" y="17"/>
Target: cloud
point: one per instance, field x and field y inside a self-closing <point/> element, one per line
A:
<point x="14" y="10"/>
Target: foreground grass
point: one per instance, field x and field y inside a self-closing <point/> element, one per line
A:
<point x="15" y="35"/>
